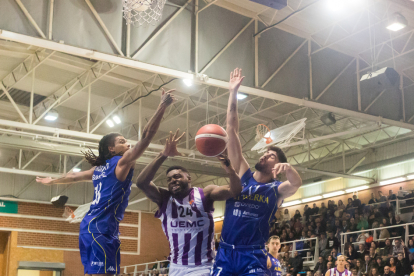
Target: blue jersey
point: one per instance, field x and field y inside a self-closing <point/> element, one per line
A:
<point x="275" y="269"/>
<point x="248" y="216"/>
<point x="109" y="201"/>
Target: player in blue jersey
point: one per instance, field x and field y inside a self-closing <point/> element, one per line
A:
<point x="111" y="175"/>
<point x="247" y="217"/>
<point x="273" y="264"/>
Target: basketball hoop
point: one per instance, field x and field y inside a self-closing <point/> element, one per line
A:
<point x="142" y="12"/>
<point x="261" y="132"/>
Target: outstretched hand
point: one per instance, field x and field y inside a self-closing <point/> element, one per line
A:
<point x="225" y="162"/>
<point x="235" y="79"/>
<point x="44" y="180"/>
<point x="167" y="98"/>
<point x="170" y="148"/>
<point x="280" y="168"/>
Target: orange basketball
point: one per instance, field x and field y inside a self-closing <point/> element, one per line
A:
<point x="211" y="140"/>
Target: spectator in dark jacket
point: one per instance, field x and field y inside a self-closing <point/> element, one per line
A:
<point x="295" y="264"/>
<point x="405" y="267"/>
<point x="320" y="265"/>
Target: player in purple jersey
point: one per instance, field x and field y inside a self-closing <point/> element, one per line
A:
<point x="273" y="264"/>
<point x="186" y="212"/>
<point x="340" y="269"/>
<point x="247" y="217"/>
<point x="111" y="175"/>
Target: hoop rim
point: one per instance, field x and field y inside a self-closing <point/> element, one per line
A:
<point x="262" y="135"/>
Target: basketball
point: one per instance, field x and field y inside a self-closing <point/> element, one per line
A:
<point x="211" y="140"/>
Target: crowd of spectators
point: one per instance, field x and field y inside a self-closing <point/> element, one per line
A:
<point x="369" y="252"/>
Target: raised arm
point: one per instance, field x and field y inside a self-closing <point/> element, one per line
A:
<point x="68" y="178"/>
<point x="289" y="187"/>
<point x="129" y="158"/>
<point x="218" y="193"/>
<point x="144" y="181"/>
<point x="234" y="146"/>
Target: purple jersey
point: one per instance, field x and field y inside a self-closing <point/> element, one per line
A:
<point x="189" y="227"/>
<point x="335" y="272"/>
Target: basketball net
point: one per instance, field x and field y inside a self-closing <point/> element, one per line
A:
<point x="142" y="12"/>
<point x="261" y="131"/>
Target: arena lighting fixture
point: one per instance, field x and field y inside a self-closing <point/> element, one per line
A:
<point x="76" y="170"/>
<point x="241" y="96"/>
<point x="393" y="180"/>
<point x="311" y="199"/>
<point x="116" y="119"/>
<point x="398" y="22"/>
<point x="52" y="115"/>
<point x="218" y="219"/>
<point x="290" y="203"/>
<point x="337" y="193"/>
<point x="188" y="82"/>
<point x="411" y="176"/>
<point x="110" y="123"/>
<point x="335" y="5"/>
<point x="356" y="189"/>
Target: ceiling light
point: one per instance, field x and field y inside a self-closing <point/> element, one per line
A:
<point x="110" y="123"/>
<point x="116" y="119"/>
<point x="188" y="82"/>
<point x="241" y="96"/>
<point x="290" y="203"/>
<point x="411" y="176"/>
<point x="311" y="198"/>
<point x="393" y="180"/>
<point x="335" y="5"/>
<point x="337" y="193"/>
<point x="356" y="189"/>
<point x="52" y="115"/>
<point x="398" y="22"/>
<point x="218" y="219"/>
<point x="76" y="170"/>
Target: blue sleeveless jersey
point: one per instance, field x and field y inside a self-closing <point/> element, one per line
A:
<point x="275" y="269"/>
<point x="109" y="201"/>
<point x="247" y="217"/>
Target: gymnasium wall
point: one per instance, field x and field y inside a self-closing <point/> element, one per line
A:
<point x="40" y="234"/>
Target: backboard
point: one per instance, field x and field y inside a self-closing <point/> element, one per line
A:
<point x="280" y="136"/>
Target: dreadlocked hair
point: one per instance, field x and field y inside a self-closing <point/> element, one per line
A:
<point x="104" y="153"/>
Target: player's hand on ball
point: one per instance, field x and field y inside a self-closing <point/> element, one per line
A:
<point x="167" y="98"/>
<point x="235" y="79"/>
<point x="280" y="168"/>
<point x="170" y="148"/>
<point x="44" y="180"/>
<point x="225" y="162"/>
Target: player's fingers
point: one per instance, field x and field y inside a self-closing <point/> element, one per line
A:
<point x="163" y="92"/>
<point x="175" y="134"/>
<point x="171" y="135"/>
<point x="179" y="138"/>
<point x="170" y="91"/>
<point x="231" y="75"/>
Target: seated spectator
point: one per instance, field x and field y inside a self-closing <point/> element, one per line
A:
<point x="356" y="202"/>
<point x="411" y="250"/>
<point x="345" y="226"/>
<point x="379" y="265"/>
<point x="394" y="266"/>
<point x="351" y="254"/>
<point x="286" y="215"/>
<point x="391" y="218"/>
<point x="398" y="231"/>
<point x="320" y="265"/>
<point x="362" y="237"/>
<point x="385" y="222"/>
<point x="295" y="264"/>
<point x="307" y="212"/>
<point x="297" y="215"/>
<point x="373" y="199"/>
<point x="387" y="250"/>
<point x="323" y="242"/>
<point x="332" y="241"/>
<point x="372" y="254"/>
<point x="341" y="205"/>
<point x="329" y="265"/>
<point x="323" y="210"/>
<point x="319" y="230"/>
<point x="367" y="265"/>
<point x="405" y="268"/>
<point x="334" y="253"/>
<point x="383" y="233"/>
<point x="363" y="223"/>
<point x="381" y="197"/>
<point x="361" y="251"/>
<point x="373" y="272"/>
<point x="391" y="197"/>
<point x="374" y="245"/>
<point x="297" y="225"/>
<point x="398" y="248"/>
<point x="387" y="271"/>
<point x="354" y="271"/>
<point x="359" y="266"/>
<point x="330" y="259"/>
<point x="315" y="209"/>
<point x="353" y="225"/>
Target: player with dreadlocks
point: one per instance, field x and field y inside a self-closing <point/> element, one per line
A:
<point x="111" y="174"/>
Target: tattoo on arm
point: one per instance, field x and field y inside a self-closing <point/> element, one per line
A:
<point x="233" y="107"/>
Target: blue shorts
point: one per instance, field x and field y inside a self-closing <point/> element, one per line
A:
<point x="233" y="262"/>
<point x="100" y="254"/>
